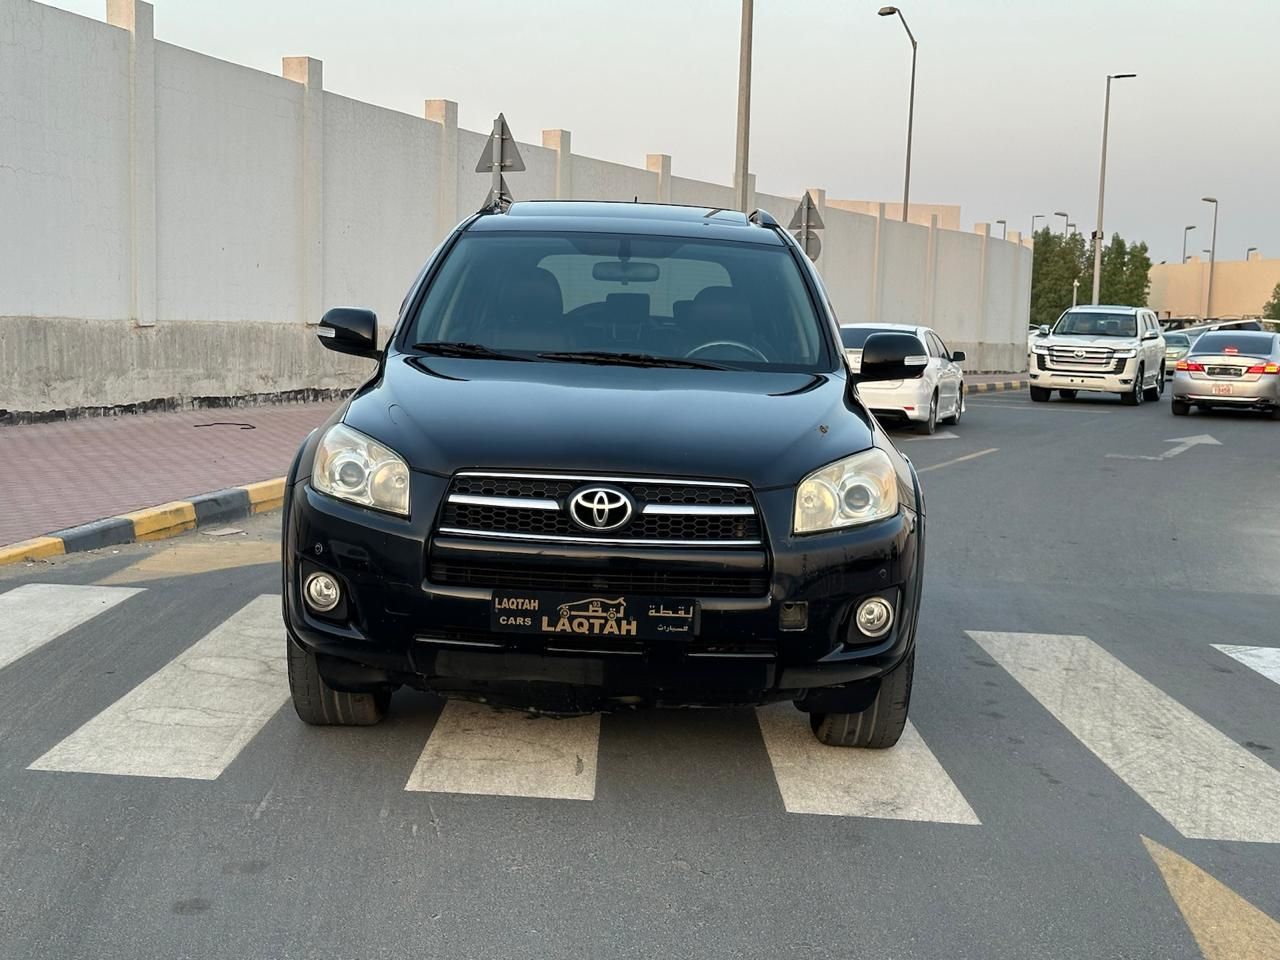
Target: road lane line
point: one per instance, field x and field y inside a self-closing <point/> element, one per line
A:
<point x="476" y="749"/>
<point x="905" y="782"/>
<point x="967" y="456"/>
<point x="35" y="613"/>
<point x="192" y="717"/>
<point x="1266" y="660"/>
<point x="1200" y="780"/>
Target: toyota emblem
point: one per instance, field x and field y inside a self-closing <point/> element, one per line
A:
<point x="1078" y="354"/>
<point x="600" y="508"/>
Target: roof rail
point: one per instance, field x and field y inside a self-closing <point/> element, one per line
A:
<point x="762" y="218"/>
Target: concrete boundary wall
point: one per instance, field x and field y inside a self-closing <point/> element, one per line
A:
<point x="173" y="224"/>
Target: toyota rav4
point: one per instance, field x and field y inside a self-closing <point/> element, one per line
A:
<point x="611" y="455"/>
<point x="1102" y="350"/>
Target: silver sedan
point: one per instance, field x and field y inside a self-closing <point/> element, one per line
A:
<point x="1230" y="368"/>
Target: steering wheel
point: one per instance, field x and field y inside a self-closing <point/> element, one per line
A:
<point x="749" y="350"/>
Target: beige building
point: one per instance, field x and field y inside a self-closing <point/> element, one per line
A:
<point x="1240" y="287"/>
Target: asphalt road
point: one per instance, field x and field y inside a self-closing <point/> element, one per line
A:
<point x="1070" y="701"/>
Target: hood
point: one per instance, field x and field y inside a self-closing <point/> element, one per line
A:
<point x="1070" y="340"/>
<point x="767" y="429"/>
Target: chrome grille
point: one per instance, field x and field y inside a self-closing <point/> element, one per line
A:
<point x="517" y="506"/>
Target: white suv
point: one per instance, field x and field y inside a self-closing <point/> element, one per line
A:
<point x="1100" y="349"/>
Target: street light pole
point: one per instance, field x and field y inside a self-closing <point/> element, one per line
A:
<point x="1004" y="233"/>
<point x="1247" y="252"/>
<point x="1034" y="218"/>
<point x="1071" y="228"/>
<point x="1075" y="290"/>
<point x="1065" y="218"/>
<point x="1102" y="184"/>
<point x="744" y="108"/>
<point x="1213" y="256"/>
<point x="911" y="107"/>
<point x="1185" y="230"/>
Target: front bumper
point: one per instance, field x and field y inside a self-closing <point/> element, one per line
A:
<point x="399" y="627"/>
<point x="1262" y="393"/>
<point x="1083" y="380"/>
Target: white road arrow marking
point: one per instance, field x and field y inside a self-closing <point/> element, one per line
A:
<point x="1183" y="445"/>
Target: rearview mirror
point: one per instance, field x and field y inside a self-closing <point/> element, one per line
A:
<point x="957" y="356"/>
<point x="1150" y="335"/>
<point x="892" y="356"/>
<point x="1043" y="330"/>
<point x="350" y="330"/>
<point x="625" y="271"/>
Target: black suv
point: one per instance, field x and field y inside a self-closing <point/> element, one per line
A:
<point x="612" y="455"/>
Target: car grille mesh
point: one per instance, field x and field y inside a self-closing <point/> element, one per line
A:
<point x="486" y="519"/>
<point x="639" y="582"/>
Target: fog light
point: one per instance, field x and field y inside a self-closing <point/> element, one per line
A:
<point x="874" y="617"/>
<point x="322" y="592"/>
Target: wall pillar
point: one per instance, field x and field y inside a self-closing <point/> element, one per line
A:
<point x="931" y="272"/>
<point x="751" y="192"/>
<point x="877" y="268"/>
<point x="984" y="231"/>
<point x="445" y="113"/>
<point x="561" y="141"/>
<point x="660" y="163"/>
<point x="310" y="73"/>
<point x="139" y="19"/>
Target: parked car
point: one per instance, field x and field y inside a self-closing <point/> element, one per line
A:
<point x="587" y="408"/>
<point x="1176" y="346"/>
<point x="1230" y="368"/>
<point x="1101" y="349"/>
<point x="937" y="395"/>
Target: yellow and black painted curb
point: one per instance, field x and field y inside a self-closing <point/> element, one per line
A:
<point x="996" y="386"/>
<point x="153" y="523"/>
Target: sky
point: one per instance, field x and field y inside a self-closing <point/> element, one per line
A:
<point x="1009" y="95"/>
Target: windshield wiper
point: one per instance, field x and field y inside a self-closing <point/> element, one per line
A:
<point x="631" y="359"/>
<point x="451" y="348"/>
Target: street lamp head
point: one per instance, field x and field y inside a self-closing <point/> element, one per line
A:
<point x="1005" y="221"/>
<point x="1122" y="76"/>
<point x="1189" y="226"/>
<point x="1060" y="213"/>
<point x="1209" y="199"/>
<point x="887" y="11"/>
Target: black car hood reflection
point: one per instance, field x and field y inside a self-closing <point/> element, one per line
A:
<point x="769" y="429"/>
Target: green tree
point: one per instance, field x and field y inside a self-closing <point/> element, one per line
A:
<point x="1272" y="310"/>
<point x="1125" y="273"/>
<point x="1056" y="262"/>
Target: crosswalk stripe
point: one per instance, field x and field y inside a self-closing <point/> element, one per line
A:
<point x="476" y="749"/>
<point x="904" y="783"/>
<point x="1265" y="660"/>
<point x="191" y="718"/>
<point x="1200" y="780"/>
<point x="35" y="613"/>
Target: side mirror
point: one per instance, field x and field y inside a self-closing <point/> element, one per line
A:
<point x="892" y="356"/>
<point x="1150" y="335"/>
<point x="957" y="356"/>
<point x="1043" y="330"/>
<point x="350" y="330"/>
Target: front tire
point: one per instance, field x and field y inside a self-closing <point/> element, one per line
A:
<point x="1135" y="396"/>
<point x="1040" y="394"/>
<point x="880" y="725"/>
<point x="320" y="705"/>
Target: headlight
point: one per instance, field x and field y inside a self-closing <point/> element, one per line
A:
<point x="851" y="491"/>
<point x="356" y="468"/>
<point x="1125" y="354"/>
<point x="1038" y="348"/>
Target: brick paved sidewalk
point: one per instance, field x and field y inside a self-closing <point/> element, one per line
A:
<point x="57" y="475"/>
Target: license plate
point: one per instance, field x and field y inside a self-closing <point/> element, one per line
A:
<point x="603" y="615"/>
<point x="1222" y="389"/>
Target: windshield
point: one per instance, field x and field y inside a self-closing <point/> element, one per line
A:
<point x="1177" y="340"/>
<point x="740" y="305"/>
<point x="1091" y="323"/>
<point x="1249" y="344"/>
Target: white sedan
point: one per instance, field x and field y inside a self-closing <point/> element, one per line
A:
<point x="938" y="395"/>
